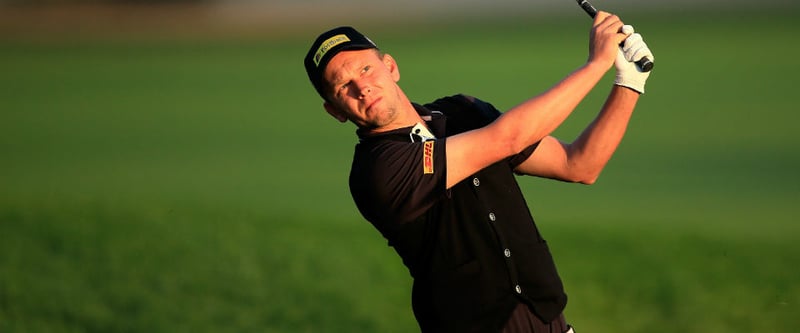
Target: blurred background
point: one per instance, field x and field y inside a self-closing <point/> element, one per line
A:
<point x="269" y="17"/>
<point x="166" y="167"/>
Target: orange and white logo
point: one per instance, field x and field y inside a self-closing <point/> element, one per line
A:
<point x="427" y="157"/>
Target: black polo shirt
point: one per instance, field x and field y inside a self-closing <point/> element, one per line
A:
<point x="473" y="250"/>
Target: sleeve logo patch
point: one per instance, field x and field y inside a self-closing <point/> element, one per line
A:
<point x="427" y="157"/>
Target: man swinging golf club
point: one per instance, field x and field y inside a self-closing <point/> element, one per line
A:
<point x="438" y="179"/>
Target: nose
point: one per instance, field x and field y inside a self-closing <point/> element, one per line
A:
<point x="364" y="89"/>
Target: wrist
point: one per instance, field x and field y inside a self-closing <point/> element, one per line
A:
<point x="633" y="81"/>
<point x="598" y="65"/>
<point x="627" y="90"/>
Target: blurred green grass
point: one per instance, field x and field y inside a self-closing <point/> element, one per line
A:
<point x="197" y="185"/>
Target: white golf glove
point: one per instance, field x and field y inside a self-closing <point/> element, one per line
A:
<point x="633" y="49"/>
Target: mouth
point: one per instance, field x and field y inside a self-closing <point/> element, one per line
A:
<point x="372" y="104"/>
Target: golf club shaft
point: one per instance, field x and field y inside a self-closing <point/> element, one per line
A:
<point x="645" y="64"/>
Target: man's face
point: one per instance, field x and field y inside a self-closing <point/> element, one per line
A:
<point x="362" y="88"/>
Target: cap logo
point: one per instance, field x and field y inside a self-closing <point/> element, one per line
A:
<point x="327" y="45"/>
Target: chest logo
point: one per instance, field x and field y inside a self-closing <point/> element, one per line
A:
<point x="427" y="157"/>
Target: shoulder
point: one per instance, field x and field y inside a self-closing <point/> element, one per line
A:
<point x="465" y="112"/>
<point x="382" y="151"/>
<point x="390" y="181"/>
<point x="461" y="103"/>
<point x="385" y="156"/>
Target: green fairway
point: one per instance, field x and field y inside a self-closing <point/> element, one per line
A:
<point x="197" y="185"/>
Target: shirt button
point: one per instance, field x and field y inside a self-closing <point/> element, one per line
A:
<point x="507" y="252"/>
<point x="492" y="217"/>
<point x="476" y="181"/>
<point x="518" y="289"/>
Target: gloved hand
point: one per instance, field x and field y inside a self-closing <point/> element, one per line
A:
<point x="634" y="48"/>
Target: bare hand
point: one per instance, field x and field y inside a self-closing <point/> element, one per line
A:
<point x="605" y="38"/>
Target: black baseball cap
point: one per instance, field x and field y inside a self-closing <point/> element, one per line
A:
<point x="327" y="45"/>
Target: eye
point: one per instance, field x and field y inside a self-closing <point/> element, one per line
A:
<point x="366" y="68"/>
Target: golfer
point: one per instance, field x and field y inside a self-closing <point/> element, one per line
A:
<point x="438" y="179"/>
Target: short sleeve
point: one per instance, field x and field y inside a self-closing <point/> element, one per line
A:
<point x="393" y="182"/>
<point x="467" y="113"/>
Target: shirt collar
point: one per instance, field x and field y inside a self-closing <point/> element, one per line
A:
<point x="433" y="119"/>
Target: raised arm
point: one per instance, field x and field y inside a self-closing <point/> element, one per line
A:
<point x="584" y="159"/>
<point x="537" y="117"/>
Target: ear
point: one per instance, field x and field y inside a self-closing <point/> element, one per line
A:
<point x="391" y="64"/>
<point x="335" y="112"/>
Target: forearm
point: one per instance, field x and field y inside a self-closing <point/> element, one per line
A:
<point x="519" y="127"/>
<point x="532" y="120"/>
<point x="591" y="151"/>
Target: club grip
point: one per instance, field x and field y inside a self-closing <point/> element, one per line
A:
<point x="644" y="64"/>
<point x="588" y="8"/>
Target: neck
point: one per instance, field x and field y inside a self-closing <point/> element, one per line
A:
<point x="407" y="116"/>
